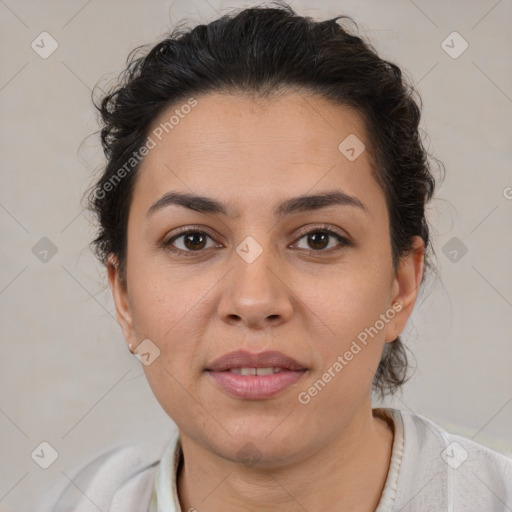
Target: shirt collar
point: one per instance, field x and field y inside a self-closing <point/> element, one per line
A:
<point x="165" y="496"/>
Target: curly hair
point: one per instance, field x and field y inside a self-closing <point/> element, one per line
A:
<point x="263" y="51"/>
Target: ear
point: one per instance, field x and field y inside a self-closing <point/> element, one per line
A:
<point x="405" y="287"/>
<point x="120" y="294"/>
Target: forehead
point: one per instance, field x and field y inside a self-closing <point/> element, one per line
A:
<point x="228" y="144"/>
<point x="305" y="127"/>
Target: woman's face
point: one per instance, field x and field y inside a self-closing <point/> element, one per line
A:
<point x="253" y="279"/>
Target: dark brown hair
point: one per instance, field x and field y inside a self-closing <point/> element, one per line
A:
<point x="262" y="51"/>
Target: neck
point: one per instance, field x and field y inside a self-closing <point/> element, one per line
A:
<point x="348" y="472"/>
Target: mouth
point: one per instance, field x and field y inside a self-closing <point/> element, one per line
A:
<point x="250" y="376"/>
<point x="256" y="371"/>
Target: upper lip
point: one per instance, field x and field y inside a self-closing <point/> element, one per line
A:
<point x="245" y="359"/>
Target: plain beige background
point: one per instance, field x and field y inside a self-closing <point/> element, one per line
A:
<point x="66" y="377"/>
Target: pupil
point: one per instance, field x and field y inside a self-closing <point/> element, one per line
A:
<point x="190" y="237"/>
<point x="313" y="237"/>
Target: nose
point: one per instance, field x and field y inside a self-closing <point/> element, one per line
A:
<point x="256" y="293"/>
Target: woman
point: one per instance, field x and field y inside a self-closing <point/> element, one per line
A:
<point x="262" y="221"/>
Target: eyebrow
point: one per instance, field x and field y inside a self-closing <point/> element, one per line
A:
<point x="293" y="205"/>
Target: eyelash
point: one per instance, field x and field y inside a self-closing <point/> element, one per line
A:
<point x="316" y="229"/>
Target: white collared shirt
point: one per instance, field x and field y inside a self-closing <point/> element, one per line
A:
<point x="431" y="470"/>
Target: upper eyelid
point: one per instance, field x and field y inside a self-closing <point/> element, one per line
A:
<point x="303" y="232"/>
<point x="321" y="227"/>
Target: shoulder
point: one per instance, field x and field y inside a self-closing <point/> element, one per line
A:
<point x="124" y="474"/>
<point x="459" y="470"/>
<point x="456" y="449"/>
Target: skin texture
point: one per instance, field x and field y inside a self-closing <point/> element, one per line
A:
<point x="308" y="301"/>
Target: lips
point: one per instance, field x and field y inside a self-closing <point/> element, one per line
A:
<point x="248" y="376"/>
<point x="245" y="359"/>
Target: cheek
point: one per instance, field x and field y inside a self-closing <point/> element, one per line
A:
<point x="351" y="332"/>
<point x="171" y="310"/>
<point x="161" y="299"/>
<point x="349" y="338"/>
<point x="166" y="312"/>
<point x="347" y="299"/>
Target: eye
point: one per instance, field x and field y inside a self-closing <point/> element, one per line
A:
<point x="191" y="241"/>
<point x="318" y="239"/>
<point x="194" y="240"/>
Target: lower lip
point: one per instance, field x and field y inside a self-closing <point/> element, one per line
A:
<point x="255" y="387"/>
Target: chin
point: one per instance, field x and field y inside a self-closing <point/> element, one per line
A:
<point x="257" y="449"/>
